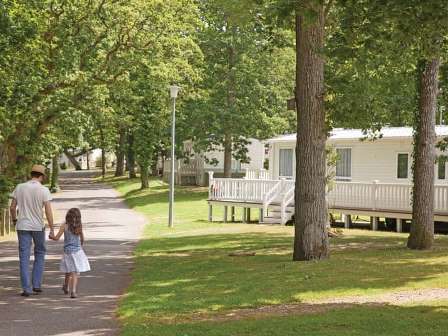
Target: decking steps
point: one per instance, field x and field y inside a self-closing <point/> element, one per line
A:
<point x="271" y="220"/>
<point x="274" y="214"/>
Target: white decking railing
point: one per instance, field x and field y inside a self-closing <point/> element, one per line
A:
<point x="278" y="194"/>
<point x="287" y="200"/>
<point x="271" y="195"/>
<point x="265" y="192"/>
<point x="371" y="196"/>
<point x="239" y="190"/>
<point x="258" y="174"/>
<point x="441" y="198"/>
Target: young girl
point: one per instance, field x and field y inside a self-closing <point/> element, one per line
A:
<point x="74" y="260"/>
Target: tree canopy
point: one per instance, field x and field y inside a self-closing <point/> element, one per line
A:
<point x="84" y="74"/>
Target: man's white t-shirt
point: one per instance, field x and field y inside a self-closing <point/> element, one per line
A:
<point x="30" y="197"/>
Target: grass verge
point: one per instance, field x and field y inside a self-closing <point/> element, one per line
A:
<point x="186" y="272"/>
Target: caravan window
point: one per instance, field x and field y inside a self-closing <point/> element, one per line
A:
<point x="403" y="165"/>
<point x="285" y="162"/>
<point x="441" y="173"/>
<point x="344" y="164"/>
<point x="236" y="165"/>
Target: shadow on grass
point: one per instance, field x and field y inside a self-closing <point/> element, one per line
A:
<point x="192" y="272"/>
<point x="147" y="197"/>
<point x="359" y="320"/>
<point x="195" y="274"/>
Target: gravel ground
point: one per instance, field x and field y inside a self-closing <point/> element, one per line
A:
<point x="394" y="298"/>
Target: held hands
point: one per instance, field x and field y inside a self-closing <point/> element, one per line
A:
<point x="51" y="235"/>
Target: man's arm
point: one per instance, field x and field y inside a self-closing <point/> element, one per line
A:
<point x="49" y="215"/>
<point x="13" y="210"/>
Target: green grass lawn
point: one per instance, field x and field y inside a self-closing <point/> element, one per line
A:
<point x="185" y="272"/>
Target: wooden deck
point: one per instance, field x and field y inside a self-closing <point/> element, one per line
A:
<point x="385" y="200"/>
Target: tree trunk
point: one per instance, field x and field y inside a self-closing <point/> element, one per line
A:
<point x="422" y="227"/>
<point x="231" y="102"/>
<point x="119" y="169"/>
<point x="103" y="154"/>
<point x="9" y="165"/>
<point x="154" y="164"/>
<point x="131" y="157"/>
<point x="228" y="156"/>
<point x="311" y="238"/>
<point x="103" y="162"/>
<point x="54" y="185"/>
<point x="72" y="160"/>
<point x="163" y="164"/>
<point x="144" y="177"/>
<point x="154" y="170"/>
<point x="16" y="167"/>
<point x="3" y="158"/>
<point x="88" y="159"/>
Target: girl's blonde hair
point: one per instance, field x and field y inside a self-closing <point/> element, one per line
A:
<point x="73" y="220"/>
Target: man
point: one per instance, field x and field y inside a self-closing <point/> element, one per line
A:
<point x="30" y="198"/>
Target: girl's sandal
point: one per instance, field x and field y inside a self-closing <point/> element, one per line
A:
<point x="73" y="295"/>
<point x="65" y="289"/>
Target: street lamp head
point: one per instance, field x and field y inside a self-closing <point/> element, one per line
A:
<point x="174" y="90"/>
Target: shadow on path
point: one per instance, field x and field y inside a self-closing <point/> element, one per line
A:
<point x="111" y="230"/>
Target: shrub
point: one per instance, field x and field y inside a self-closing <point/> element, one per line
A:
<point x="5" y="188"/>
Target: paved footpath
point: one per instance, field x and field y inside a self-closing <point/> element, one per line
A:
<point x="111" y="231"/>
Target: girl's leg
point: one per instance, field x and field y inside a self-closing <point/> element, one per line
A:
<point x="70" y="282"/>
<point x="74" y="279"/>
<point x="67" y="279"/>
<point x="66" y="282"/>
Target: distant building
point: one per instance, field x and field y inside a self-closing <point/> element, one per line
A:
<point x="194" y="169"/>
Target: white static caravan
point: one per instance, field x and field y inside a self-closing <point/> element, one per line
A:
<point x="387" y="159"/>
<point x="373" y="178"/>
<point x="195" y="169"/>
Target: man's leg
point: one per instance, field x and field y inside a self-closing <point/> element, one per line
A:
<point x="25" y="238"/>
<point x="39" y="258"/>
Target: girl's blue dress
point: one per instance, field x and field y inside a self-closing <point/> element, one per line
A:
<point x="74" y="258"/>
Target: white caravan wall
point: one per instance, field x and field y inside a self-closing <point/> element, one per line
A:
<point x="370" y="160"/>
<point x="256" y="155"/>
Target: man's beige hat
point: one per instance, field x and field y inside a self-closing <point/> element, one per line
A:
<point x="38" y="169"/>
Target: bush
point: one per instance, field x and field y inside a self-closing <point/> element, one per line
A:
<point x="63" y="166"/>
<point x="5" y="188"/>
<point x="54" y="189"/>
